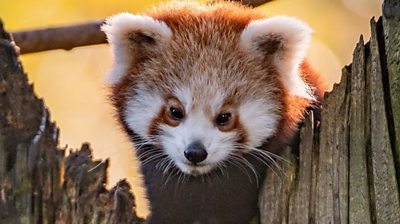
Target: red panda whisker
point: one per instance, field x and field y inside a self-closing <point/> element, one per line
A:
<point x="153" y="157"/>
<point x="141" y="145"/>
<point x="270" y="154"/>
<point x="184" y="178"/>
<point x="265" y="152"/>
<point x="266" y="162"/>
<point x="179" y="179"/>
<point x="147" y="153"/>
<point x="138" y="140"/>
<point x="221" y="166"/>
<point x="246" y="163"/>
<point x="141" y="139"/>
<point x="233" y="160"/>
<point x="169" y="165"/>
<point x="144" y="137"/>
<point x="170" y="174"/>
<point x="160" y="164"/>
<point x="267" y="157"/>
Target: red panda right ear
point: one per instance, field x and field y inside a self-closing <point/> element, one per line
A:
<point x="130" y="37"/>
<point x="283" y="41"/>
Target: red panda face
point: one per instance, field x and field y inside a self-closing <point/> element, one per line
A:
<point x="205" y="88"/>
<point x="200" y="126"/>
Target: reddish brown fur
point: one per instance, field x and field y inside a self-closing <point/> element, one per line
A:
<point x="205" y="42"/>
<point x="155" y="123"/>
<point x="238" y="127"/>
<point x="196" y="26"/>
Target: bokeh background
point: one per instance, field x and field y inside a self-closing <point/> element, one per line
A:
<point x="72" y="82"/>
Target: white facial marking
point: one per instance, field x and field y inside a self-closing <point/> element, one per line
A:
<point x="295" y="35"/>
<point x="141" y="110"/>
<point x="260" y="117"/>
<point x="185" y="97"/>
<point x="195" y="127"/>
<point x="117" y="29"/>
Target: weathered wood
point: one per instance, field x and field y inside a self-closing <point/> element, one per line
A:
<point x="342" y="117"/>
<point x="324" y="212"/>
<point x="391" y="29"/>
<point x="274" y="200"/>
<point x="382" y="177"/>
<point x="299" y="206"/>
<point x="314" y="175"/>
<point x="38" y="184"/>
<point x="332" y="200"/>
<point x="358" y="179"/>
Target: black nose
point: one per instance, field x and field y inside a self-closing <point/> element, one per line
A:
<point x="195" y="152"/>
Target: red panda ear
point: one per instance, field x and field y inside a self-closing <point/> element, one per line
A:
<point x="282" y="41"/>
<point x="131" y="37"/>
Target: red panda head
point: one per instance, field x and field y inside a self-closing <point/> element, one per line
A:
<point x="207" y="83"/>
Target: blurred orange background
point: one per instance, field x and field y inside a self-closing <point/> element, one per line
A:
<point x="72" y="82"/>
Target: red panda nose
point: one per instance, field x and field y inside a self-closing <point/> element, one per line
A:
<point x="195" y="152"/>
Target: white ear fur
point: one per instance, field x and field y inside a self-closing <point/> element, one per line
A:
<point x="292" y="37"/>
<point x="119" y="27"/>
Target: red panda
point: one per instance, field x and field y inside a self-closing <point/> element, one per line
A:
<point x="208" y="94"/>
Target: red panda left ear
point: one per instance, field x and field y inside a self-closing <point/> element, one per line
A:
<point x="131" y="38"/>
<point x="282" y="41"/>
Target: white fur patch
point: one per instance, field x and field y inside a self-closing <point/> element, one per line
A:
<point x="195" y="127"/>
<point x="185" y="97"/>
<point x="296" y="36"/>
<point x="141" y="110"/>
<point x="117" y="29"/>
<point x="260" y="118"/>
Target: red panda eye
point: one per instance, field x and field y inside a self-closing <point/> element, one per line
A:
<point x="176" y="113"/>
<point x="223" y="119"/>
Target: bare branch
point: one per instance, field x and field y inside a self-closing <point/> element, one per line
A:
<point x="66" y="38"/>
<point x="253" y="3"/>
<point x="69" y="37"/>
